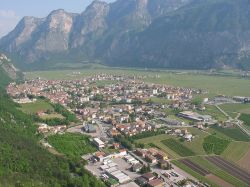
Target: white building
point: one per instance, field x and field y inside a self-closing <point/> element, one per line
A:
<point x="99" y="143"/>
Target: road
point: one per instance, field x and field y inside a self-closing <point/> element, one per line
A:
<point x="237" y="121"/>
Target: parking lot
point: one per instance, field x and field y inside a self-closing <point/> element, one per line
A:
<point x="122" y="165"/>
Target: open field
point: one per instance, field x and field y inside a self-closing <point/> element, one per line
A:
<point x="230" y="168"/>
<point x="157" y="142"/>
<point x="52" y="116"/>
<point x="218" y="181"/>
<point x="73" y="145"/>
<point x="246" y="119"/>
<point x="178" y="147"/>
<point x="230" y="133"/>
<point x="236" y="151"/>
<point x="39" y="105"/>
<point x="244" y="161"/>
<point x="214" y="169"/>
<point x="236" y="108"/>
<point x="214" y="84"/>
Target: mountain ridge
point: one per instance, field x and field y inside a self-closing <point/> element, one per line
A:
<point x="185" y="34"/>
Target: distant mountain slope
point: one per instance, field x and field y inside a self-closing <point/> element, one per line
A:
<point x="198" y="34"/>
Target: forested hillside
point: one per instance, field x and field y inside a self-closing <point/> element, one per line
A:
<point x="23" y="162"/>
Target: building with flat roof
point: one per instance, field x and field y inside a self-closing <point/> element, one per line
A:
<point x="99" y="143"/>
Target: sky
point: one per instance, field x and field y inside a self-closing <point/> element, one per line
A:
<point x="11" y="11"/>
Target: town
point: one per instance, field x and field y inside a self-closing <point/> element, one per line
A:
<point x="115" y="111"/>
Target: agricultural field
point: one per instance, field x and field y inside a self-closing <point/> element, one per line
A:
<point x="215" y="145"/>
<point x="236" y="151"/>
<point x="178" y="147"/>
<point x="230" y="168"/>
<point x="245" y="118"/>
<point x="227" y="85"/>
<point x="39" y="105"/>
<point x="234" y="109"/>
<point x="72" y="145"/>
<point x="213" y="169"/>
<point x="230" y="133"/>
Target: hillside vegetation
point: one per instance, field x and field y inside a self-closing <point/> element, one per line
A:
<point x="23" y="161"/>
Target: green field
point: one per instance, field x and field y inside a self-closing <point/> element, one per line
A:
<point x="157" y="142"/>
<point x="233" y="109"/>
<point x="178" y="147"/>
<point x="196" y="144"/>
<point x="214" y="84"/>
<point x="211" y="168"/>
<point x="39" y="105"/>
<point x="72" y="145"/>
<point x="230" y="133"/>
<point x="236" y="150"/>
<point x="245" y="118"/>
<point x="217" y="171"/>
<point x="215" y="145"/>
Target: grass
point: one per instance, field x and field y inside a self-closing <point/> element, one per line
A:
<point x="52" y="116"/>
<point x="178" y="147"/>
<point x="236" y="150"/>
<point x="39" y="105"/>
<point x="215" y="145"/>
<point x="232" y="133"/>
<point x="227" y="85"/>
<point x="72" y="145"/>
<point x="196" y="144"/>
<point x="233" y="109"/>
<point x="245" y="118"/>
<point x="157" y="142"/>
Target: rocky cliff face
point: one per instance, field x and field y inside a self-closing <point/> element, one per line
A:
<point x="149" y="33"/>
<point x="8" y="67"/>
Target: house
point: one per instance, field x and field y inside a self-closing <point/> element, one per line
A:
<point x="188" y="137"/>
<point x="141" y="181"/>
<point x="151" y="159"/>
<point x="148" y="176"/>
<point x="156" y="183"/>
<point x="98" y="143"/>
<point x="161" y="155"/>
<point x="152" y="151"/>
<point x="140" y="152"/>
<point x="99" y="156"/>
<point x="163" y="164"/>
<point x="136" y="167"/>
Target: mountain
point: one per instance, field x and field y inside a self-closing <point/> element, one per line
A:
<point x="190" y="34"/>
<point x="8" y="68"/>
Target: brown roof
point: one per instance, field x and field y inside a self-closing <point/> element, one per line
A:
<point x="148" y="176"/>
<point x="155" y="182"/>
